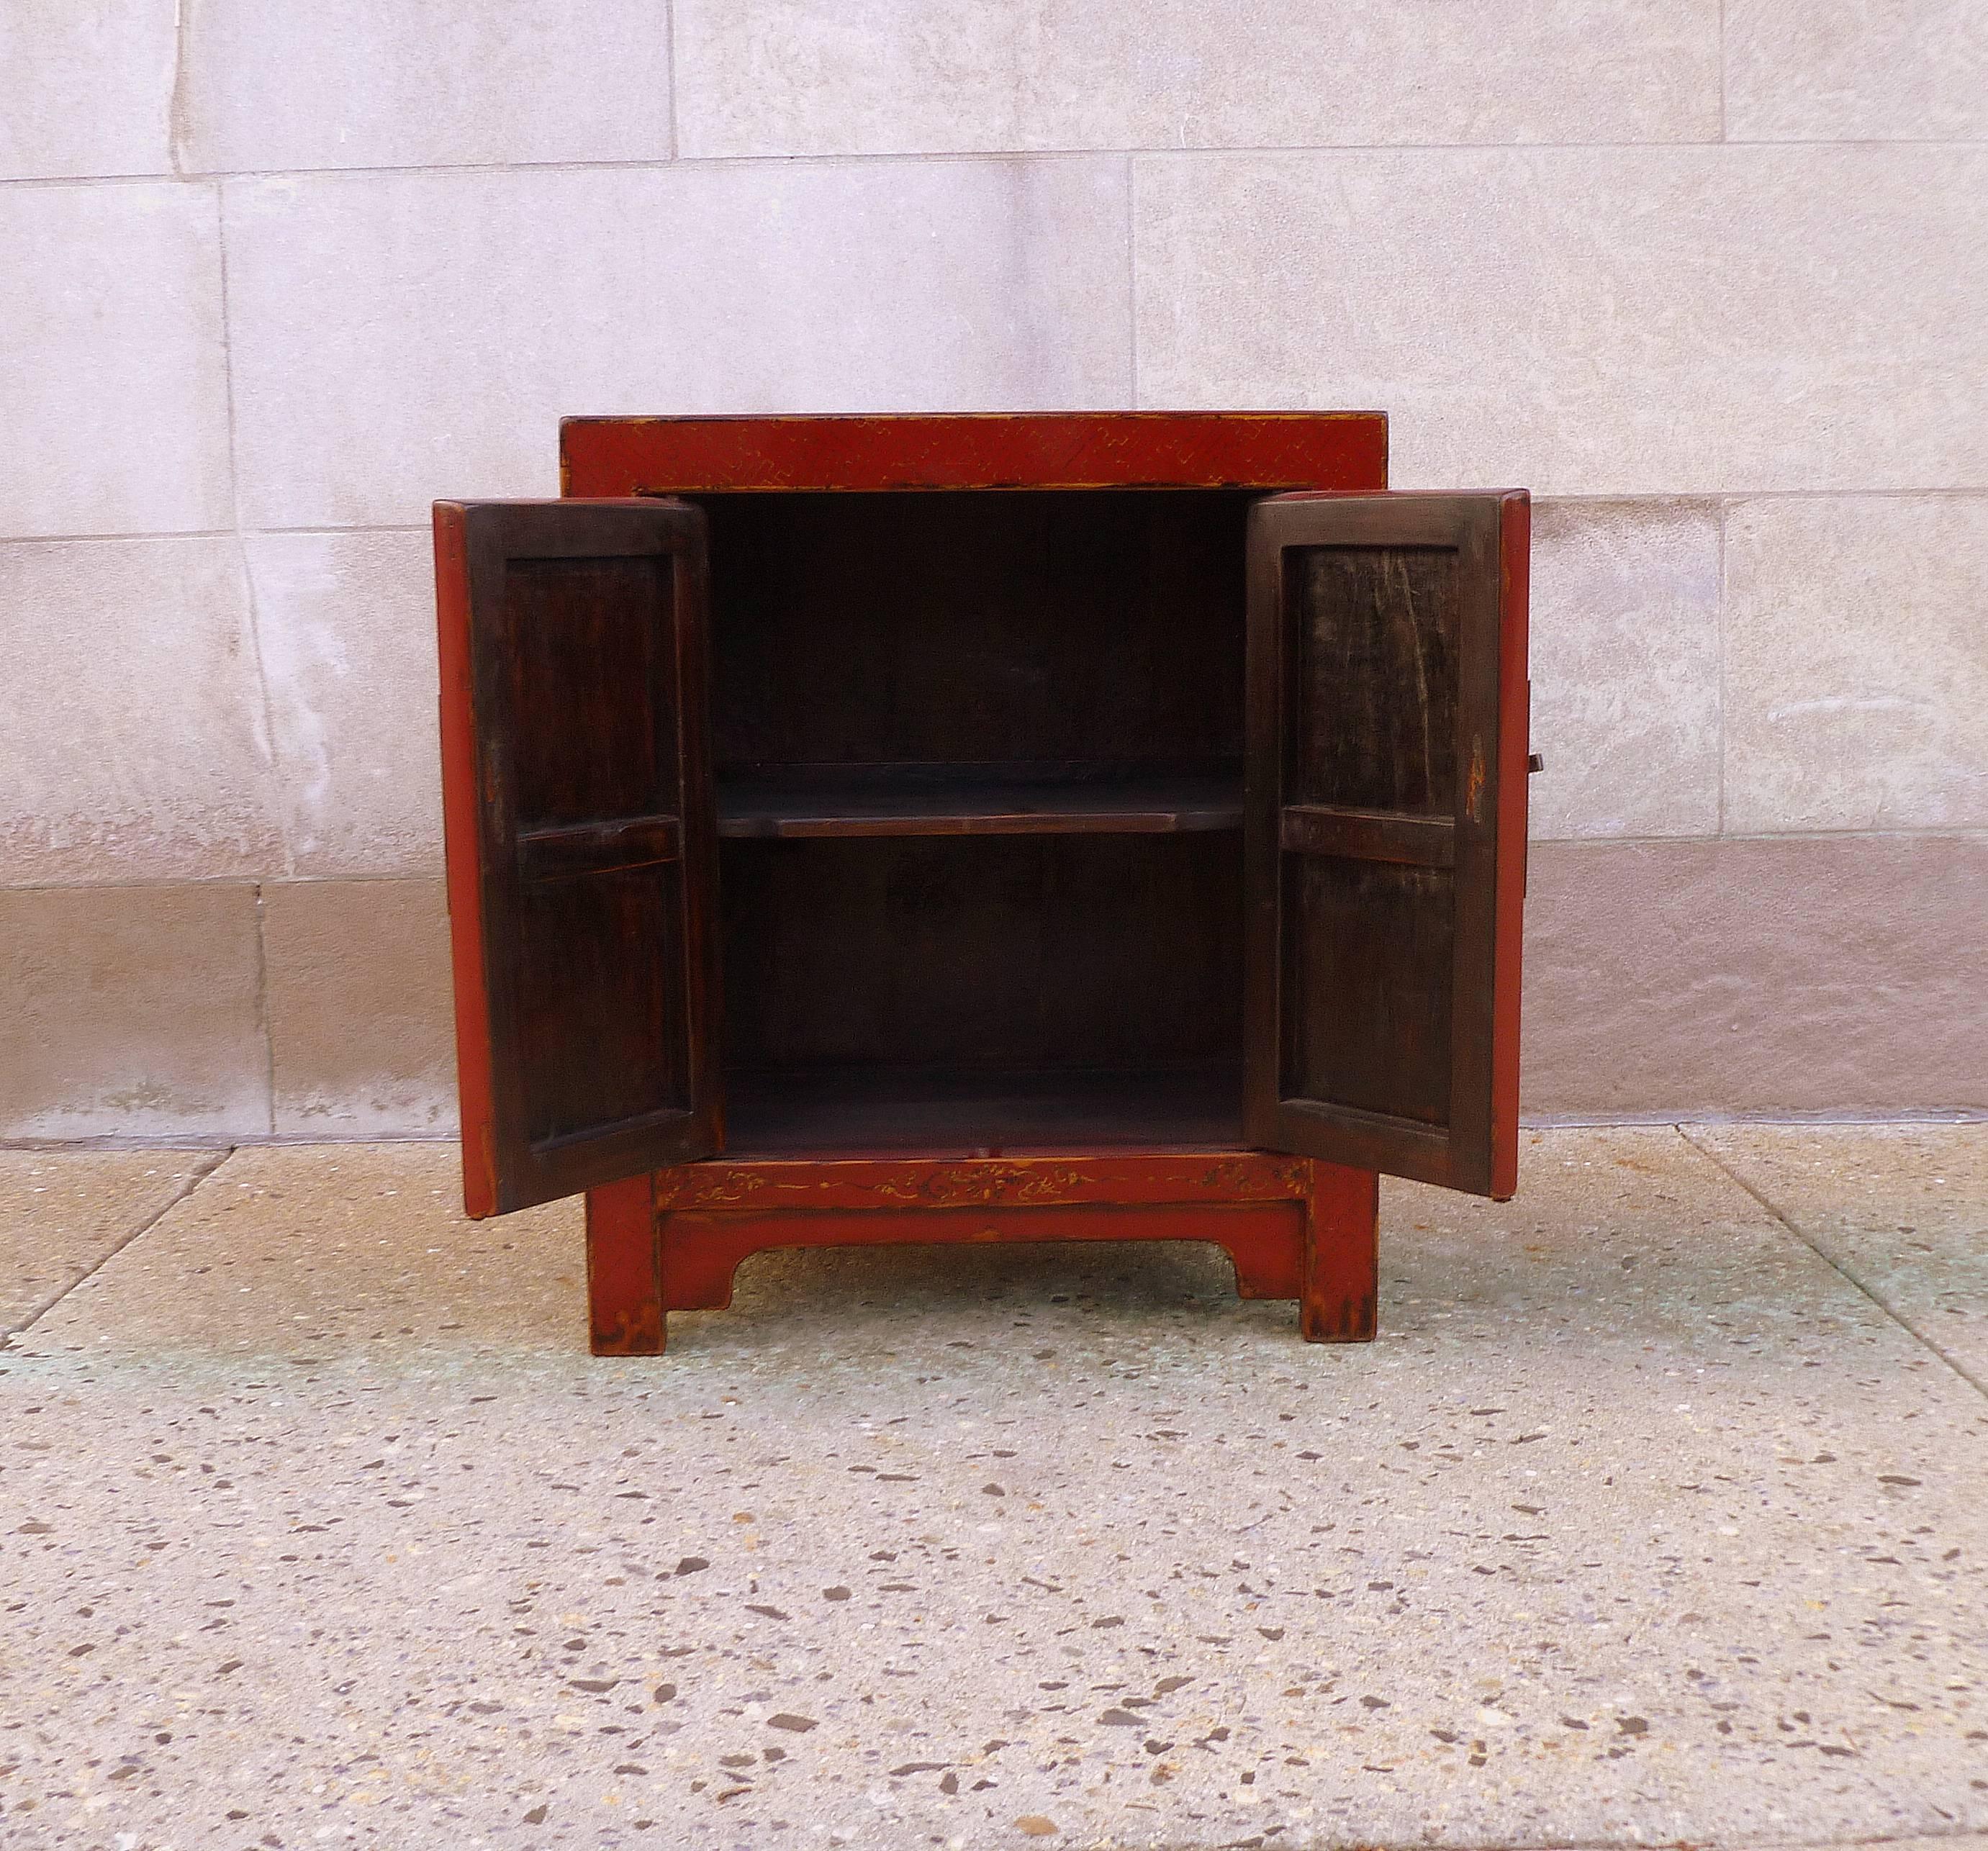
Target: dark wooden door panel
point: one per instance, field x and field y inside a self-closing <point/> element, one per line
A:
<point x="1385" y="822"/>
<point x="577" y="634"/>
<point x="581" y="841"/>
<point x="1371" y="699"/>
<point x="1370" y="976"/>
<point x="601" y="961"/>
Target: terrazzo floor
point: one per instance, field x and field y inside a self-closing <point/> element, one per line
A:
<point x="1656" y="1516"/>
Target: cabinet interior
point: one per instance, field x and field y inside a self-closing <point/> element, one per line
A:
<point x="979" y="790"/>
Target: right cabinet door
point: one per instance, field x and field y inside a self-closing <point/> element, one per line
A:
<point x="1386" y="771"/>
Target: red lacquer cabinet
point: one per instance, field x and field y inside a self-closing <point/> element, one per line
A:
<point x="1079" y="827"/>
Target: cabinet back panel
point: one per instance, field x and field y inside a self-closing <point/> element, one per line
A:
<point x="988" y="626"/>
<point x="986" y="952"/>
<point x="872" y="1111"/>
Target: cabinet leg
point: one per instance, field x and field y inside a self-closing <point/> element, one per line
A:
<point x="1341" y="1278"/>
<point x="625" y="1280"/>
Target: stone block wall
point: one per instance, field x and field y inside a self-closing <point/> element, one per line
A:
<point x="1711" y="279"/>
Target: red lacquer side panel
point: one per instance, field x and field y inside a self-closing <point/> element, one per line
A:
<point x="462" y="832"/>
<point x="1267" y="451"/>
<point x="1515" y="700"/>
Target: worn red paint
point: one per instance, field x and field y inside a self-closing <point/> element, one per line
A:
<point x="624" y="1304"/>
<point x="1293" y="1228"/>
<point x="1266" y="451"/>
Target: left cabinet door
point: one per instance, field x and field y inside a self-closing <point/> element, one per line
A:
<point x="581" y="835"/>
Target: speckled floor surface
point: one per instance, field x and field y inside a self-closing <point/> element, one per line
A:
<point x="1657" y="1515"/>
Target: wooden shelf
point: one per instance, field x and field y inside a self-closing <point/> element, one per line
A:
<point x="978" y="806"/>
<point x="963" y="1113"/>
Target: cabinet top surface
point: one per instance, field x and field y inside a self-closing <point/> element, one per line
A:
<point x="1253" y="450"/>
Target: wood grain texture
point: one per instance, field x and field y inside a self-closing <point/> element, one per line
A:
<point x="1371" y="687"/>
<point x="1368" y="984"/>
<point x="1384" y="782"/>
<point x="580" y="838"/>
<point x="573" y="850"/>
<point x="1262" y="450"/>
<point x="1316" y="828"/>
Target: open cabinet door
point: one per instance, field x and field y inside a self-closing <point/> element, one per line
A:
<point x="1386" y="832"/>
<point x="581" y="835"/>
